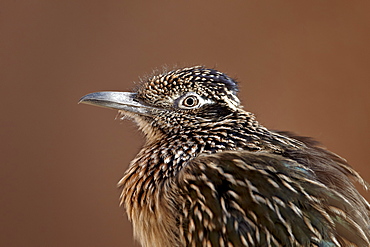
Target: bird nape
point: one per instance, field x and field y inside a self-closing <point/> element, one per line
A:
<point x="210" y="174"/>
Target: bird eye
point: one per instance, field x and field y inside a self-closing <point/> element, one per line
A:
<point x="189" y="101"/>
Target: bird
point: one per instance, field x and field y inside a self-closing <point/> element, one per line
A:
<point x="209" y="174"/>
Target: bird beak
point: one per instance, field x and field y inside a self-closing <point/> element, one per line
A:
<point x="122" y="101"/>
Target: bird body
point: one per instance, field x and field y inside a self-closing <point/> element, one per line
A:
<point x="210" y="174"/>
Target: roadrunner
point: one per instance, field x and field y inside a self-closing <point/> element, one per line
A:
<point x="210" y="174"/>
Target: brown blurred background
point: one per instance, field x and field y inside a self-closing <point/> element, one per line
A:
<point x="302" y="66"/>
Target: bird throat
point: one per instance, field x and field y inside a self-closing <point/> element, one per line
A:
<point x="163" y="156"/>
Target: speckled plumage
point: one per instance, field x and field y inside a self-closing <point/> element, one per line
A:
<point x="210" y="175"/>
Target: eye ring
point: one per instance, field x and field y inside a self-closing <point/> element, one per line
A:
<point x="189" y="101"/>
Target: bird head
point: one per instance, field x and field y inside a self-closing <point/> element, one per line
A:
<point x="186" y="98"/>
